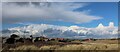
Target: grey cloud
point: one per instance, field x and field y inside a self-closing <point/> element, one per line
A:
<point x="30" y="12"/>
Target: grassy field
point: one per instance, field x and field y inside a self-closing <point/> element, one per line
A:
<point x="86" y="45"/>
<point x="70" y="47"/>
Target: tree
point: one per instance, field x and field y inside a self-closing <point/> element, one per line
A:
<point x="14" y="36"/>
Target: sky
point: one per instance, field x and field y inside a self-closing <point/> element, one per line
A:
<point x="89" y="14"/>
<point x="61" y="0"/>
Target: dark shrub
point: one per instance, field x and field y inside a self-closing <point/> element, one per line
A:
<point x="10" y="41"/>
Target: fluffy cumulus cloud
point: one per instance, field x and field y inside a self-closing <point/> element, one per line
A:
<point x="35" y="11"/>
<point x="100" y="31"/>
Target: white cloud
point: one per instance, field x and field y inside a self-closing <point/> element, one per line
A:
<point x="68" y="32"/>
<point x="31" y="12"/>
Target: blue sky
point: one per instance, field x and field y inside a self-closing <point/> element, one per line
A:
<point x="109" y="12"/>
<point x="99" y="12"/>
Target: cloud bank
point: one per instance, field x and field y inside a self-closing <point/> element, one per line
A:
<point x="37" y="11"/>
<point x="66" y="32"/>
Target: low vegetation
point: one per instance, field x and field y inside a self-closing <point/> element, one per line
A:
<point x="69" y="47"/>
<point x="58" y="44"/>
